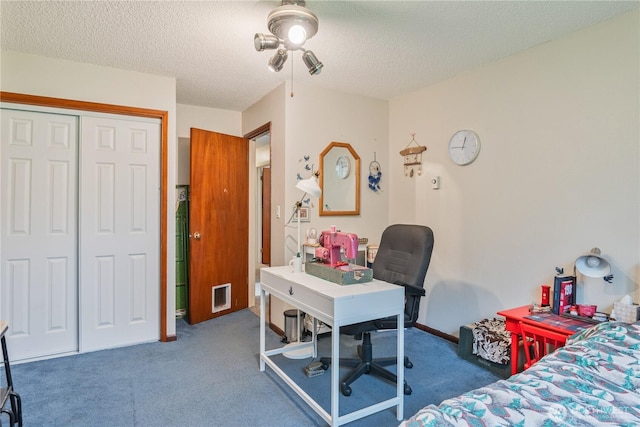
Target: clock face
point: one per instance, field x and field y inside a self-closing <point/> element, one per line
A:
<point x="464" y="147"/>
<point x="343" y="167"/>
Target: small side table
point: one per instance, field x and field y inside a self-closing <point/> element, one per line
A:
<point x="8" y="393"/>
<point x="514" y="316"/>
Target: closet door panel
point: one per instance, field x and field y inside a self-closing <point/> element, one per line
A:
<point x="120" y="238"/>
<point x="38" y="233"/>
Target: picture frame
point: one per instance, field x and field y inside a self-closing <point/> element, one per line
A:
<point x="304" y="214"/>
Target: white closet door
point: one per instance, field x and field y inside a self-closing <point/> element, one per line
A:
<point x="39" y="232"/>
<point x="119" y="250"/>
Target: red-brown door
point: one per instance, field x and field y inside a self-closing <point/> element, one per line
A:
<point x="266" y="216"/>
<point x="218" y="225"/>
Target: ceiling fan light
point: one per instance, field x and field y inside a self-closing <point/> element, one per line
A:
<point x="277" y="61"/>
<point x="311" y="61"/>
<point x="297" y="35"/>
<point x="282" y="19"/>
<point x="262" y="42"/>
<point x="291" y="25"/>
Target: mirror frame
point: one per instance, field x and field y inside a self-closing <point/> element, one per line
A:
<point x="355" y="171"/>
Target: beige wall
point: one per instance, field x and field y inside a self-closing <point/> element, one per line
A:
<point x="270" y="109"/>
<point x="558" y="173"/>
<point x="304" y="125"/>
<point x="315" y="118"/>
<point x="37" y="75"/>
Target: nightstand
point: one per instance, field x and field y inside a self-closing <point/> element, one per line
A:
<point x="548" y="321"/>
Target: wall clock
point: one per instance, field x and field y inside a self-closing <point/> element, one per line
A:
<point x="343" y="167"/>
<point x="464" y="147"/>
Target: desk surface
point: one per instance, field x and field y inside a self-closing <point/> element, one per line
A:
<point x="550" y="321"/>
<point x="330" y="289"/>
<point x="332" y="303"/>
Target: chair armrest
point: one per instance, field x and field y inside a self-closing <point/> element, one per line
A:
<point x="411" y="290"/>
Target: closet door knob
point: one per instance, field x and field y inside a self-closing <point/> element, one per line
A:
<point x="196" y="235"/>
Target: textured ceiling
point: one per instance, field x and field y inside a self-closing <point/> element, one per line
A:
<point x="379" y="49"/>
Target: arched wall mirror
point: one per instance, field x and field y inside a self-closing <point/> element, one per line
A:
<point x="339" y="180"/>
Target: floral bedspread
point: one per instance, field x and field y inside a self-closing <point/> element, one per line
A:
<point x="593" y="380"/>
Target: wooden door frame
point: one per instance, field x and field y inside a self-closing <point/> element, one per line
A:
<point x="265" y="210"/>
<point x="43" y="101"/>
<point x="259" y="131"/>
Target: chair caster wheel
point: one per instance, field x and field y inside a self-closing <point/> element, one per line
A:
<point x="408" y="364"/>
<point x="345" y="389"/>
<point x="407" y="390"/>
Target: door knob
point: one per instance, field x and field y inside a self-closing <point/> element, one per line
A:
<point x="196" y="235"/>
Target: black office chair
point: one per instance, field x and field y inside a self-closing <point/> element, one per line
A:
<point x="403" y="259"/>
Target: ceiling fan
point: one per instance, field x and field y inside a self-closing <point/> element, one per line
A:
<point x="291" y="25"/>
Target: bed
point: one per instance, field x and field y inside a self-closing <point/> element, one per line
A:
<point x="593" y="380"/>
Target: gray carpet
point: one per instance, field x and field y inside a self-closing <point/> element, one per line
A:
<point x="210" y="377"/>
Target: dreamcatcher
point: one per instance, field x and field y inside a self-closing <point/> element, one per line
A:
<point x="375" y="175"/>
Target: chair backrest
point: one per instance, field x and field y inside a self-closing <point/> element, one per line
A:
<point x="403" y="257"/>
<point x="538" y="342"/>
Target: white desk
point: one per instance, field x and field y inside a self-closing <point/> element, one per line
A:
<point x="336" y="306"/>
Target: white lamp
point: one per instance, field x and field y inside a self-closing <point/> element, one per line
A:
<point x="593" y="265"/>
<point x="309" y="186"/>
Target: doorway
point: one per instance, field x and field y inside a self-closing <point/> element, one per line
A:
<point x="261" y="210"/>
<point x="263" y="200"/>
<point x="81" y="239"/>
<point x="218" y="225"/>
<point x="259" y="206"/>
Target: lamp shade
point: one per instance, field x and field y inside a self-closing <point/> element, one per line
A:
<point x="311" y="61"/>
<point x="310" y="186"/>
<point x="262" y="42"/>
<point x="277" y="61"/>
<point x="593" y="265"/>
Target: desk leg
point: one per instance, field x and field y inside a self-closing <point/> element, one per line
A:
<point x="335" y="373"/>
<point x="400" y="367"/>
<point x="263" y="298"/>
<point x="515" y="338"/>
<point x="314" y="338"/>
